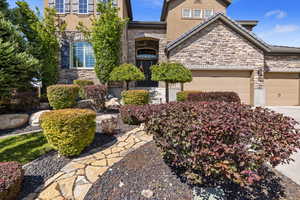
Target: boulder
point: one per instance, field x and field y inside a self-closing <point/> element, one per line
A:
<point x="113" y="103"/>
<point x="12" y="121"/>
<point x="35" y="118"/>
<point x="85" y="104"/>
<point x="105" y="117"/>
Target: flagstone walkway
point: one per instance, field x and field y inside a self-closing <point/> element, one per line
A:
<point x="77" y="177"/>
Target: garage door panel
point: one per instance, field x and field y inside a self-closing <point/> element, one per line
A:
<point x="282" y="89"/>
<point x="209" y="81"/>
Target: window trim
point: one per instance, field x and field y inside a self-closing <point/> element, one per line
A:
<point x="201" y="13"/>
<point x="71" y="53"/>
<point x="64" y="8"/>
<point x="87" y="8"/>
<point x="212" y="13"/>
<point x="190" y="13"/>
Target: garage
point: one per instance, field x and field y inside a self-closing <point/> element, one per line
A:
<point x="282" y="89"/>
<point x="236" y="81"/>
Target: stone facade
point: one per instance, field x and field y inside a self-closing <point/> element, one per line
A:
<point x="277" y="63"/>
<point x="67" y="76"/>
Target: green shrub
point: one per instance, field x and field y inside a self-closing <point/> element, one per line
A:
<point x="229" y="97"/>
<point x="182" y="96"/>
<point x="62" y="96"/>
<point x="82" y="84"/>
<point x="136" y="97"/>
<point x="69" y="131"/>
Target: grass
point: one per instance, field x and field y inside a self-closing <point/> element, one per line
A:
<point x="23" y="148"/>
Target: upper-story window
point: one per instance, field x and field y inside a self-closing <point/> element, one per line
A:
<point x="83" y="6"/>
<point x="60" y="6"/>
<point x="197" y="13"/>
<point x="208" y="13"/>
<point x="83" y="55"/>
<point x="115" y="2"/>
<point x="186" y="13"/>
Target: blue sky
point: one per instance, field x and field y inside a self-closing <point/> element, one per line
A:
<point x="279" y="19"/>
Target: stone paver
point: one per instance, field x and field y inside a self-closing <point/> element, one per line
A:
<point x="76" y="178"/>
<point x="291" y="170"/>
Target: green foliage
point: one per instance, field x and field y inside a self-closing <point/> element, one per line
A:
<point x="18" y="68"/>
<point x="181" y="96"/>
<point x="4" y="7"/>
<point x="105" y="37"/>
<point x="127" y="73"/>
<point x="62" y="96"/>
<point x="136" y="97"/>
<point x="69" y="131"/>
<point x="82" y="84"/>
<point x="23" y="148"/>
<point x="42" y="36"/>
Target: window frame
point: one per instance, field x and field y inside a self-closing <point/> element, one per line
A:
<point x="201" y="13"/>
<point x="71" y="53"/>
<point x="87" y="8"/>
<point x="212" y="13"/>
<point x="64" y="7"/>
<point x="183" y="12"/>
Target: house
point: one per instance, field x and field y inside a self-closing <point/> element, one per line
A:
<point x="223" y="54"/>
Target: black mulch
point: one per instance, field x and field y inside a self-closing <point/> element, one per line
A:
<point x="145" y="169"/>
<point x="46" y="166"/>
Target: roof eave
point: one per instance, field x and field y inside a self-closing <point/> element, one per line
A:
<point x="129" y="9"/>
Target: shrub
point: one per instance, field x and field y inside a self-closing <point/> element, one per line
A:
<point x="136" y="97"/>
<point x="11" y="177"/>
<point x="82" y="84"/>
<point x="69" y="131"/>
<point x="229" y="97"/>
<point x="221" y="141"/>
<point x="109" y="126"/>
<point x="182" y="96"/>
<point x="62" y="96"/>
<point x="127" y="73"/>
<point x="98" y="94"/>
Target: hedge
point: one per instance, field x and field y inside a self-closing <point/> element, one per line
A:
<point x="229" y="97"/>
<point x="182" y="96"/>
<point x="62" y="96"/>
<point x="82" y="84"/>
<point x="69" y="131"/>
<point x="11" y="177"/>
<point x="222" y="141"/>
<point x="136" y="97"/>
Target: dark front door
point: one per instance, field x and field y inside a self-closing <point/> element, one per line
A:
<point x="144" y="66"/>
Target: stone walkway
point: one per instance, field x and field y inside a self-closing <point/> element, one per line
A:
<point x="77" y="177"/>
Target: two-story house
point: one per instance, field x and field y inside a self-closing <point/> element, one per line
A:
<point x="223" y="54"/>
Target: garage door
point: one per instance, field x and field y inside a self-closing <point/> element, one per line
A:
<point x="236" y="81"/>
<point x="282" y="89"/>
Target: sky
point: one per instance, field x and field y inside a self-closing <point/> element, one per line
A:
<point x="279" y="20"/>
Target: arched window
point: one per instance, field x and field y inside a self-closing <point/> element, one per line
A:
<point x="60" y="6"/>
<point x="83" y="55"/>
<point x="83" y="6"/>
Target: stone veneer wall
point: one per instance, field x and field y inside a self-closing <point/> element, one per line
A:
<point x="282" y="63"/>
<point x="220" y="46"/>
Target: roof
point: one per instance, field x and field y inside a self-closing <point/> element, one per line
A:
<point x="147" y="25"/>
<point x="233" y="24"/>
<point x="284" y="50"/>
<point x="129" y="9"/>
<point x="166" y="2"/>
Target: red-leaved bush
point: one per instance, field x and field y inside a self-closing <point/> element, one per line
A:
<point x="222" y="141"/>
<point x="229" y="97"/>
<point x="11" y="177"/>
<point x="98" y="94"/>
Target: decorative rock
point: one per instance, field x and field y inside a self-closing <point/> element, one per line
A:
<point x="147" y="193"/>
<point x="113" y="103"/>
<point x="44" y="106"/>
<point x="12" y="121"/>
<point x="85" y="104"/>
<point x="35" y="118"/>
<point x="105" y="117"/>
<point x="209" y="194"/>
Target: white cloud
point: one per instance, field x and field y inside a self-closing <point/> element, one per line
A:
<point x="286" y="28"/>
<point x="279" y="14"/>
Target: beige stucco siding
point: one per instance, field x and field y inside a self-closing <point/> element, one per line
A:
<point x="176" y="25"/>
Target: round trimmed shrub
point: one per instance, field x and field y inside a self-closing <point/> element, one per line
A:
<point x="136" y="97"/>
<point x="62" y="96"/>
<point x="82" y="84"/>
<point x="69" y="131"/>
<point x="11" y="177"/>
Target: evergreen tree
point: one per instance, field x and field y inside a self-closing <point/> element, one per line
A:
<point x="4" y="8"/>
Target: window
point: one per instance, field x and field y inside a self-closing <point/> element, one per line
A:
<point x="114" y="2"/>
<point x="83" y="55"/>
<point x="197" y="13"/>
<point x="60" y="6"/>
<point x="186" y="13"/>
<point x="83" y="6"/>
<point x="208" y="13"/>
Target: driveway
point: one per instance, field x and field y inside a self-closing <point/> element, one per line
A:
<point x="293" y="169"/>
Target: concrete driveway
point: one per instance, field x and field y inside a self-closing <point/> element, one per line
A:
<point x="293" y="169"/>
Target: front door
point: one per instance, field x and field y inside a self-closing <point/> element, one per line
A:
<point x="144" y="66"/>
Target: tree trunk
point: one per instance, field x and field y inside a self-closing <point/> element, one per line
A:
<point x="167" y="92"/>
<point x="181" y="87"/>
<point x="127" y="85"/>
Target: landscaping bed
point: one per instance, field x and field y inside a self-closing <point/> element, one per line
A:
<point x="144" y="172"/>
